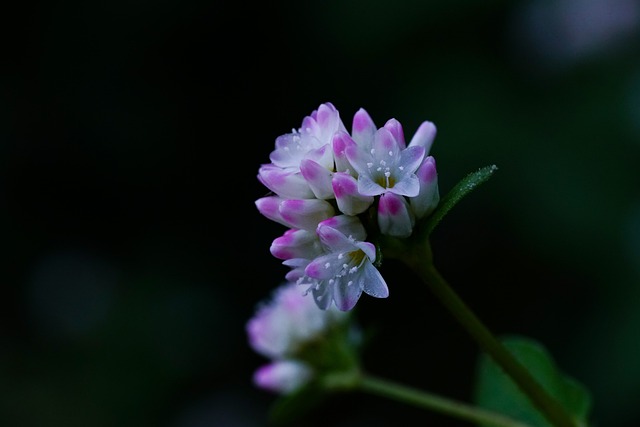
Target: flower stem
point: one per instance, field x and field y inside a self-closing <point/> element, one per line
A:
<point x="434" y="402"/>
<point x="420" y="262"/>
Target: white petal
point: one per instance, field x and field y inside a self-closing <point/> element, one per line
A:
<point x="347" y="293"/>
<point x="367" y="187"/>
<point x="374" y="284"/>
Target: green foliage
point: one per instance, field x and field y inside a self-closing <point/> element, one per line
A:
<point x="497" y="392"/>
<point x="461" y="189"/>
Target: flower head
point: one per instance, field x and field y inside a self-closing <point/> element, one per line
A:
<point x="282" y="325"/>
<point x="283" y="328"/>
<point x="324" y="181"/>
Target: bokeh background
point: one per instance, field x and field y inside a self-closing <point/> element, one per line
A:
<point x="132" y="253"/>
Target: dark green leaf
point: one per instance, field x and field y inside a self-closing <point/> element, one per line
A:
<point x="496" y="391"/>
<point x="461" y="189"/>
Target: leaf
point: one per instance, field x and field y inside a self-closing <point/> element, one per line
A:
<point x="461" y="189"/>
<point x="497" y="392"/>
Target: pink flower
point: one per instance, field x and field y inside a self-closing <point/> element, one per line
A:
<point x="302" y="161"/>
<point x="283" y="324"/>
<point x="344" y="272"/>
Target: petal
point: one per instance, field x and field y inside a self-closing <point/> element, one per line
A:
<point x="350" y="226"/>
<point x="324" y="267"/>
<point x="342" y="140"/>
<point x="429" y="196"/>
<point x="296" y="244"/>
<point x="333" y="239"/>
<point x="424" y="136"/>
<point x="347" y="293"/>
<point x="360" y="160"/>
<point x="297" y="266"/>
<point x="322" y="295"/>
<point x="284" y="182"/>
<point x="374" y="283"/>
<point x="410" y="159"/>
<point x="270" y="207"/>
<point x="349" y="200"/>
<point x="368" y="187"/>
<point x="369" y="250"/>
<point x="328" y="119"/>
<point x="288" y="150"/>
<point x="318" y="178"/>
<point x="395" y="128"/>
<point x="409" y="186"/>
<point x="305" y="213"/>
<point x="394" y="216"/>
<point x="385" y="145"/>
<point x="363" y="129"/>
<point x="322" y="155"/>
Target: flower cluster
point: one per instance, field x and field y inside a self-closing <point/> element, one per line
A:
<point x="285" y="329"/>
<point x="324" y="180"/>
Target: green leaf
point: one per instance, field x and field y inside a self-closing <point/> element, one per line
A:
<point x="461" y="189"/>
<point x="497" y="392"/>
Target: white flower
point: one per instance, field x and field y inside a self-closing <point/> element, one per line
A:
<point x="302" y="161"/>
<point x="344" y="272"/>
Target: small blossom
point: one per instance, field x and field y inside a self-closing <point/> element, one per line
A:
<point x="348" y="199"/>
<point x="344" y="272"/>
<point x="299" y="157"/>
<point x="387" y="167"/>
<point x="395" y="217"/>
<point x="282" y="325"/>
<point x="429" y="196"/>
<point x="296" y="244"/>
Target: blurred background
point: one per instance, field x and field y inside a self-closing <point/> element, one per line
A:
<point x="131" y="133"/>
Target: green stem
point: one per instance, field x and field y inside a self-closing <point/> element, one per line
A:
<point x="435" y="403"/>
<point x="419" y="260"/>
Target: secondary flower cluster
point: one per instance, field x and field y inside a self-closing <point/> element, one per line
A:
<point x="324" y="180"/>
<point x="293" y="333"/>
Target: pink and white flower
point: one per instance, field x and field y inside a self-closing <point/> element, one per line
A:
<point x="344" y="271"/>
<point x="302" y="161"/>
<point x="324" y="179"/>
<point x="280" y="329"/>
<point x="288" y="320"/>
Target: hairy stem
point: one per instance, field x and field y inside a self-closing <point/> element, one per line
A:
<point x="434" y="402"/>
<point x="419" y="260"/>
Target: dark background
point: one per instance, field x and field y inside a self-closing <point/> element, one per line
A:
<point x="131" y="133"/>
